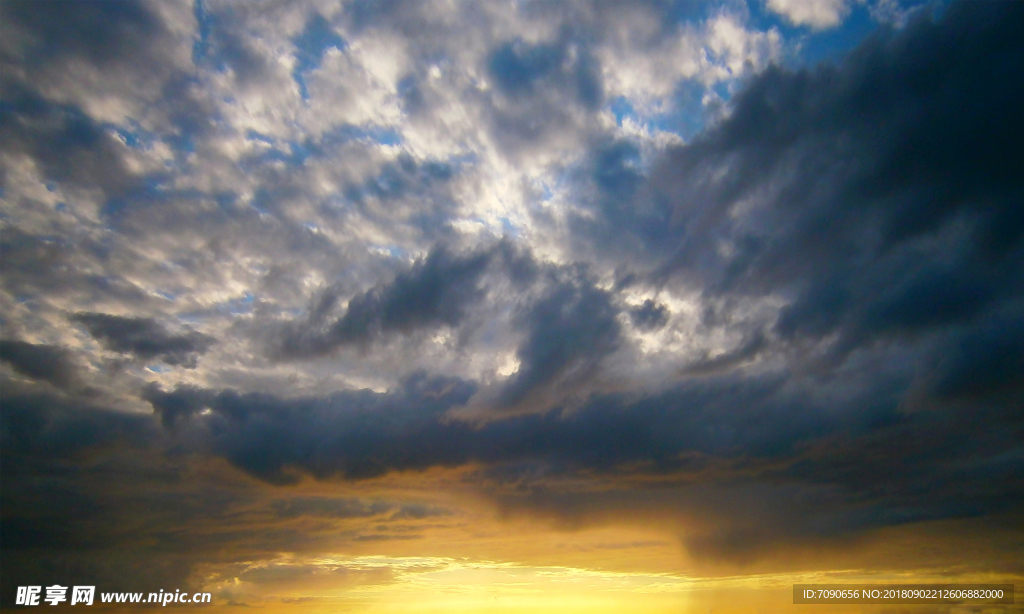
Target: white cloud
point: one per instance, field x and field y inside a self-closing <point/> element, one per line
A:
<point x="818" y="14"/>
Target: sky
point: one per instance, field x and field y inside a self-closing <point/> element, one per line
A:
<point x="511" y="306"/>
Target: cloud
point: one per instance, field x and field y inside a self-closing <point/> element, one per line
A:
<point x="569" y="324"/>
<point x="520" y="69"/>
<point x="270" y="437"/>
<point x="103" y="34"/>
<point x="868" y="232"/>
<point x="818" y="14"/>
<point x="78" y="56"/>
<point x="584" y="262"/>
<point x="41" y="362"/>
<point x="569" y="330"/>
<point x="705" y="440"/>
<point x="649" y="316"/>
<point x="436" y="291"/>
<point x="330" y="508"/>
<point x="183" y="402"/>
<point x="69" y="145"/>
<point x="981" y="361"/>
<point x="145" y="338"/>
<point x="43" y="425"/>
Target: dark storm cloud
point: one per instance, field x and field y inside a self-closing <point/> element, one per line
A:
<point x="89" y="498"/>
<point x="41" y="426"/>
<point x="41" y="362"/>
<point x="374" y="433"/>
<point x="982" y="361"/>
<point x="68" y="145"/>
<point x="105" y="33"/>
<point x="650" y="315"/>
<point x="628" y="229"/>
<point x="183" y="402"/>
<point x="92" y="495"/>
<point x="570" y="324"/>
<point x="438" y="290"/>
<point x="881" y="198"/>
<point x="748" y="349"/>
<point x="882" y="195"/>
<point x="855" y="460"/>
<point x="145" y="338"/>
<point x="569" y="330"/>
<point x="361" y="434"/>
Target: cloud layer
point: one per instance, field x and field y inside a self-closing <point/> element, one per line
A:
<point x="589" y="263"/>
